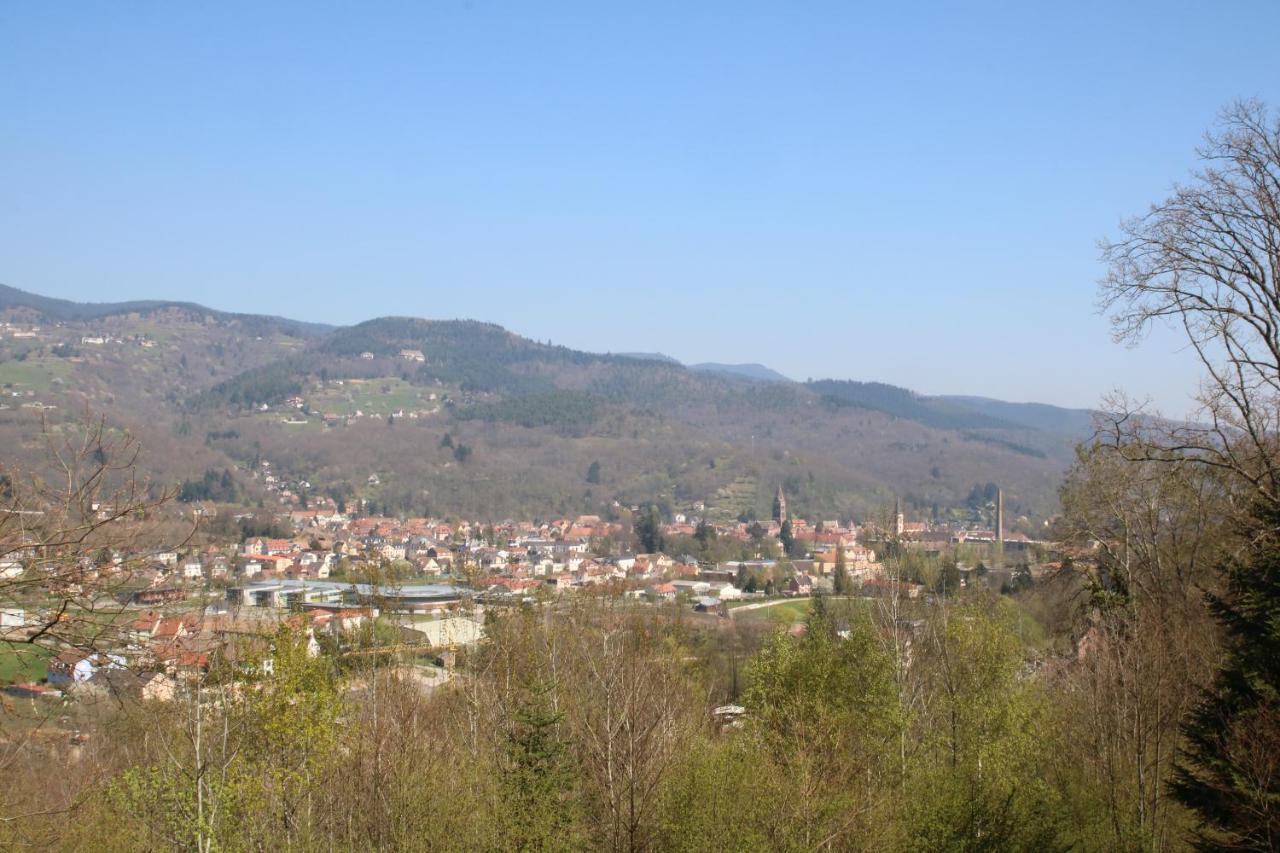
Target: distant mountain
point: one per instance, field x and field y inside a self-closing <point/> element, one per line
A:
<point x="757" y="372"/>
<point x="1076" y="424"/>
<point x="64" y="310"/>
<point x="648" y="356"/>
<point x="460" y="416"/>
<point x="901" y="403"/>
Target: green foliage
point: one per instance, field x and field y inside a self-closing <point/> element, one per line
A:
<point x="162" y="806"/>
<point x="1000" y="441"/>
<point x="719" y="798"/>
<point x="982" y="495"/>
<point x="1020" y="581"/>
<point x="902" y="403"/>
<point x="541" y="781"/>
<point x="787" y="539"/>
<point x="982" y="784"/>
<point x="213" y="486"/>
<point x="23" y="662"/>
<point x="1230" y="770"/>
<point x="841" y="583"/>
<point x="948" y="580"/>
<point x="705" y="535"/>
<point x="648" y="530"/>
<point x="270" y="384"/>
<point x="823" y="711"/>
<point x="475" y="356"/>
<point x="258" y="791"/>
<point x="749" y="579"/>
<point x="572" y="412"/>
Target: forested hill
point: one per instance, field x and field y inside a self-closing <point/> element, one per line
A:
<point x="758" y="372"/>
<point x="15" y="301"/>
<point x="464" y="416"/>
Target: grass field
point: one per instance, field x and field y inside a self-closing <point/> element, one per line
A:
<point x="20" y="662"/>
<point x="785" y="611"/>
<point x="275" y="419"/>
<point x="34" y="374"/>
<point x="159" y="333"/>
<point x="373" y="397"/>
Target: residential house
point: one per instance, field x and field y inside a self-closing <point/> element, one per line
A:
<point x="662" y="591"/>
<point x="73" y="666"/>
<point x="800" y="584"/>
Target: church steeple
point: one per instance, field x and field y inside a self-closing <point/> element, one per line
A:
<point x="780" y="506"/>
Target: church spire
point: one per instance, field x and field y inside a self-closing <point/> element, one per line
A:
<point x="780" y="506"/>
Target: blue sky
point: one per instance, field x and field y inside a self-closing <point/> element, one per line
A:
<point x="910" y="193"/>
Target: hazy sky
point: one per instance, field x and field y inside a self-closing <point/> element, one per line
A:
<point x="904" y="193"/>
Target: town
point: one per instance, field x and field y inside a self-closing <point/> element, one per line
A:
<point x="434" y="577"/>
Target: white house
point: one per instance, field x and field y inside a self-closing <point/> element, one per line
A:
<point x="725" y="591"/>
<point x="451" y="631"/>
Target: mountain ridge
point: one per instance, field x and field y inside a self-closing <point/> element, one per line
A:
<point x="750" y="370"/>
<point x="397" y="396"/>
<point x="66" y="310"/>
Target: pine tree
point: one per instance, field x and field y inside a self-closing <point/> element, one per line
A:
<point x="539" y="783"/>
<point x="841" y="583"/>
<point x="648" y="530"/>
<point x="1229" y="771"/>
<point x="788" y="540"/>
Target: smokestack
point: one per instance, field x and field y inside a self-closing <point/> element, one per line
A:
<point x="1000" y="517"/>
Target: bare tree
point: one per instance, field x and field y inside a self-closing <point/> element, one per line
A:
<point x="1206" y="260"/>
<point x="1148" y="534"/>
<point x="69" y="535"/>
<point x="70" y="526"/>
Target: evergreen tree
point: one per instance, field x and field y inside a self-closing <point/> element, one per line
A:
<point x="787" y="539"/>
<point x="705" y="535"/>
<point x="841" y="582"/>
<point x="948" y="582"/>
<point x="1229" y="771"/>
<point x="541" y="777"/>
<point x="648" y="530"/>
